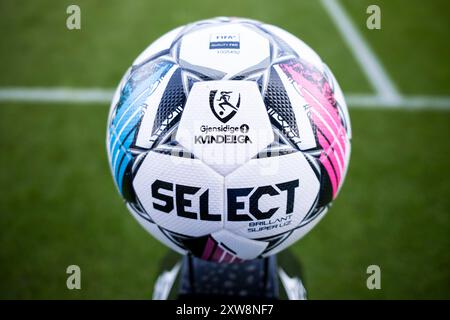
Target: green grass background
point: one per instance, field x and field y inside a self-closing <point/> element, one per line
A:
<point x="59" y="206"/>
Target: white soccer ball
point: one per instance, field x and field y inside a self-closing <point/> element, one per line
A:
<point x="228" y="139"/>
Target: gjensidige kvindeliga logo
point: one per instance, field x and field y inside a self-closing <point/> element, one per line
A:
<point x="223" y="134"/>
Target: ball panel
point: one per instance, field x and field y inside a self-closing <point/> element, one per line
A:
<point x="127" y="114"/>
<point x="299" y="129"/>
<point x="160" y="45"/>
<point x="234" y="245"/>
<point x="300" y="48"/>
<point x="112" y="109"/>
<point x="330" y="131"/>
<point x="156" y="232"/>
<point x="224" y="50"/>
<point x="294" y="235"/>
<point x="169" y="110"/>
<point x="180" y="194"/>
<point x="224" y="124"/>
<point x="224" y="246"/>
<point x="340" y="100"/>
<point x="279" y="107"/>
<point x="269" y="196"/>
<point x="144" y="136"/>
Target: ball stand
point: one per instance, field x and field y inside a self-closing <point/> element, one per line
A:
<point x="190" y="278"/>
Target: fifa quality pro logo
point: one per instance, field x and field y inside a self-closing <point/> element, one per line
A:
<point x="224" y="104"/>
<point x="224" y="41"/>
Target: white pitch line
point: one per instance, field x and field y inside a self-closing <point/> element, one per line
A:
<point x="366" y="58"/>
<point x="57" y="94"/>
<point x="104" y="96"/>
<point x="413" y="102"/>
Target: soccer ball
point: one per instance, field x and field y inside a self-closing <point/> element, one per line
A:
<point x="228" y="139"/>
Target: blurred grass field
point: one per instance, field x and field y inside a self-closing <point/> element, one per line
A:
<point x="58" y="203"/>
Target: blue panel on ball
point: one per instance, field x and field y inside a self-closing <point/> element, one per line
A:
<point x="128" y="114"/>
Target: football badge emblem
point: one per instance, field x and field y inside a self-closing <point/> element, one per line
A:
<point x="224" y="104"/>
